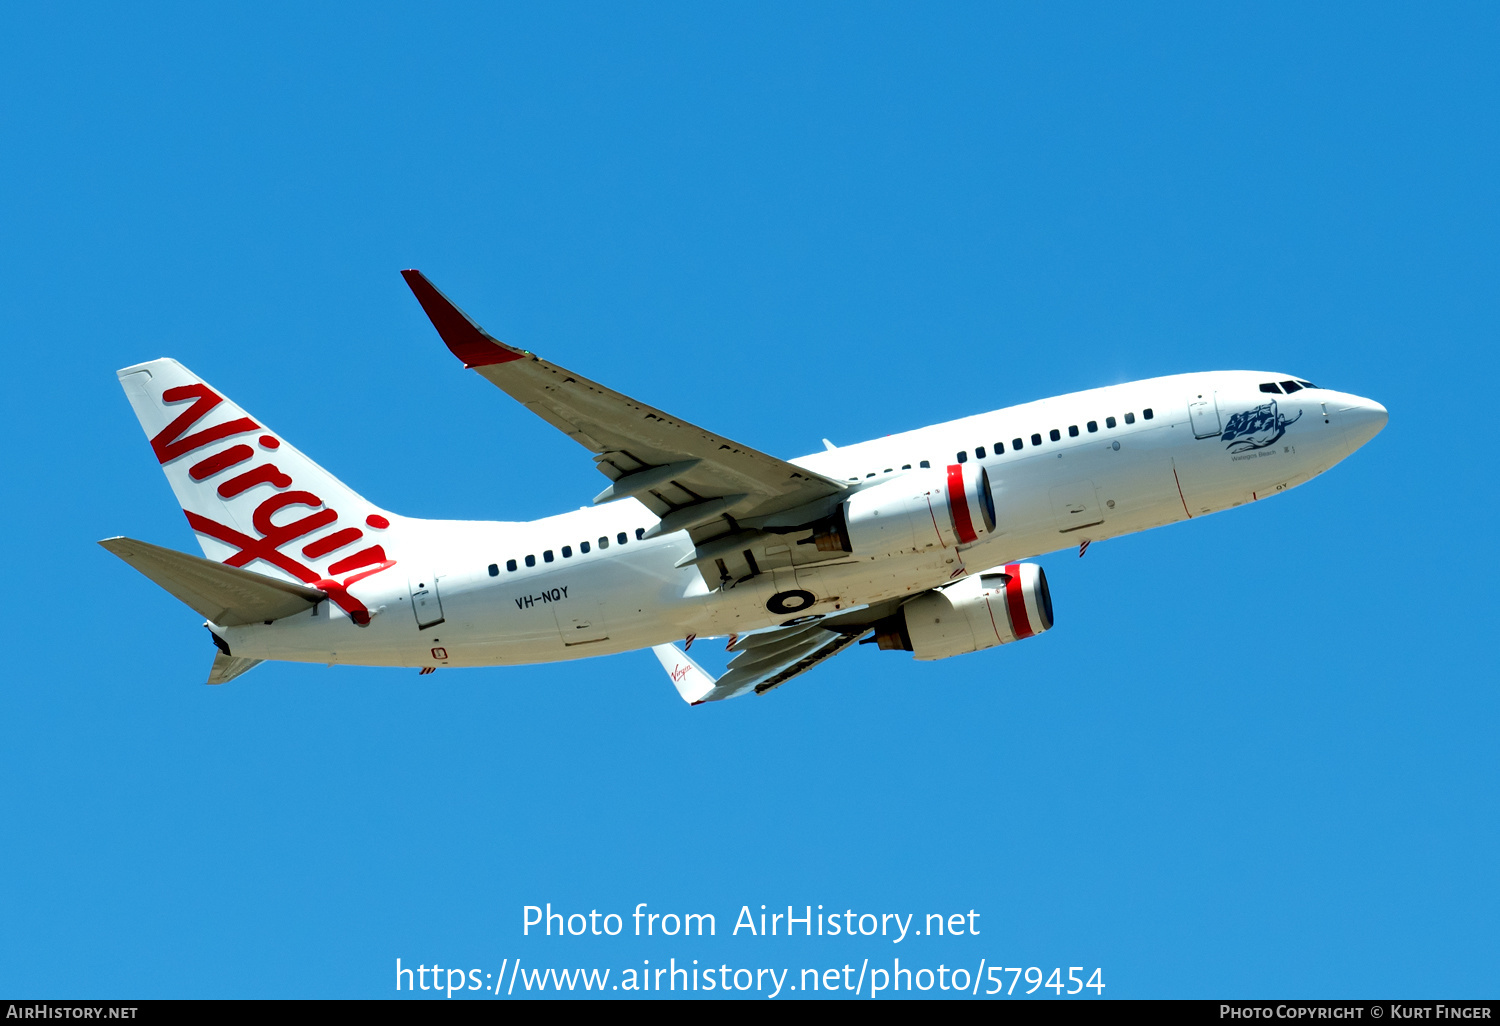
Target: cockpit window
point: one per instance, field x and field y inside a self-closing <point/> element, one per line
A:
<point x="1270" y="386"/>
<point x="1291" y="386"/>
<point x="1307" y="384"/>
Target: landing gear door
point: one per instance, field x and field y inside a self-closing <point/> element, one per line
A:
<point x="1203" y="410"/>
<point x="425" y="602"/>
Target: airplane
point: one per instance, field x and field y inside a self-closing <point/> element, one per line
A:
<point x="917" y="542"/>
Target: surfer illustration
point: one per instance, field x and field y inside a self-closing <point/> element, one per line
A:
<point x="1257" y="428"/>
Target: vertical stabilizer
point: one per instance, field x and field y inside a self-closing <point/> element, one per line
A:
<point x="252" y="498"/>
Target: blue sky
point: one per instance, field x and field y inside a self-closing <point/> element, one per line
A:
<point x="1254" y="758"/>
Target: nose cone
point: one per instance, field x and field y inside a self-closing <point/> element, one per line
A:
<point x="1362" y="420"/>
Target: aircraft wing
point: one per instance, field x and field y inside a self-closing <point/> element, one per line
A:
<point x="691" y="478"/>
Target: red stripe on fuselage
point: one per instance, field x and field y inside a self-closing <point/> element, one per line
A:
<point x="333" y="542"/>
<point x="958" y="505"/>
<point x="364" y="557"/>
<point x="1015" y="602"/>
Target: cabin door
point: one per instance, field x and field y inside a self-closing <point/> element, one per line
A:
<point x="1203" y="410"/>
<point x="425" y="602"/>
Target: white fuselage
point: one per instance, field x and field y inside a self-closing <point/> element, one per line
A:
<point x="615" y="597"/>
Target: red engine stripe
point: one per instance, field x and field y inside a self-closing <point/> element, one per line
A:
<point x="364" y="557"/>
<point x="958" y="505"/>
<point x="1015" y="602"/>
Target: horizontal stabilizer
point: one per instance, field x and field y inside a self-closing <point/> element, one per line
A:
<point x="692" y="681"/>
<point x="765" y="660"/>
<point x="225" y="595"/>
<point x="226" y="668"/>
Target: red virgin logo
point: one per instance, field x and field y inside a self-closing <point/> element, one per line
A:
<point x="174" y="441"/>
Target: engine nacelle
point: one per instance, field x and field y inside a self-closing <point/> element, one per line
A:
<point x="920" y="510"/>
<point x="998" y="606"/>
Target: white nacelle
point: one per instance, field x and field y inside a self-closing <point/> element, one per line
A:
<point x="921" y="510"/>
<point x="998" y="606"/>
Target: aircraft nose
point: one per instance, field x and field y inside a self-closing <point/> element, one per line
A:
<point x="1362" y="420"/>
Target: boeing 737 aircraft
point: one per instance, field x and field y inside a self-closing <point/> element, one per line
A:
<point x="914" y="542"/>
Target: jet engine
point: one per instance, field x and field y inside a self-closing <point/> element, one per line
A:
<point x="998" y="606"/>
<point x="917" y="511"/>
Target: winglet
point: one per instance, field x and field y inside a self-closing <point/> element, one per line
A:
<point x="467" y="340"/>
<point x="692" y="682"/>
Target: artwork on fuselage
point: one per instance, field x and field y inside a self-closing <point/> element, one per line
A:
<point x="1257" y="428"/>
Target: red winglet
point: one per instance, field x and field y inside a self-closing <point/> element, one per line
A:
<point x="464" y="338"/>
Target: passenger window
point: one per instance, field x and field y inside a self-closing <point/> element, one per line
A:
<point x="494" y="569"/>
<point x="1036" y="439"/>
<point x="979" y="452"/>
<point x="531" y="561"/>
<point x="510" y="564"/>
<point x="925" y="464"/>
<point x="1016" y="444"/>
<point x="1054" y="434"/>
<point x="887" y="470"/>
<point x="567" y="551"/>
<point x="1270" y="386"/>
<point x="963" y="457"/>
<point x="1093" y="426"/>
<point x="1306" y="384"/>
<point x="1290" y="387"/>
<point x="906" y="466"/>
<point x="999" y="448"/>
<point x="870" y="474"/>
<point x="583" y="547"/>
<point x="1130" y="418"/>
<point x="1148" y="413"/>
<point x="603" y="544"/>
<point x="1072" y="430"/>
<point x="1109" y="422"/>
<point x="640" y="532"/>
<point x="547" y="556"/>
<point x="621" y="538"/>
